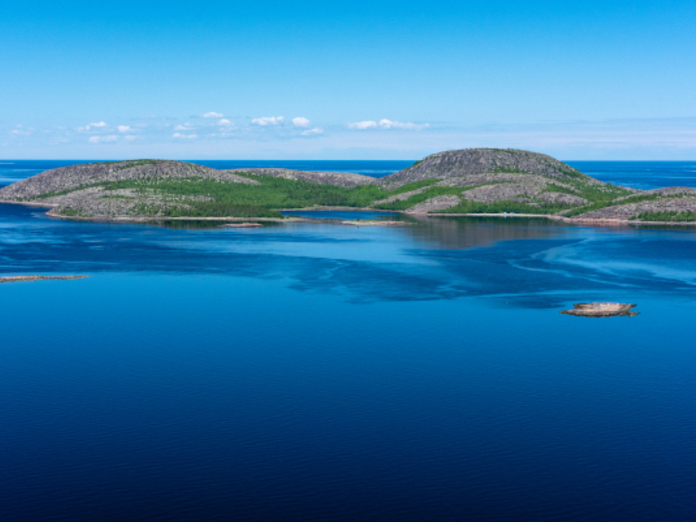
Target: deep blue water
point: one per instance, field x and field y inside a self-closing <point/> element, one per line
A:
<point x="317" y="372"/>
<point x="644" y="175"/>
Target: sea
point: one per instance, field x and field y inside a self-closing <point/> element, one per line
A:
<point x="313" y="372"/>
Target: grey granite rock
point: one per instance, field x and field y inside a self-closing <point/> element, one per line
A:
<point x="433" y="204"/>
<point x="84" y="175"/>
<point x="629" y="211"/>
<point x="466" y="162"/>
<point x="341" y="179"/>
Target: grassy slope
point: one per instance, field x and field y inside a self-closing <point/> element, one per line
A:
<point x="262" y="200"/>
<point x="638" y="198"/>
<point x="599" y="196"/>
<point x="272" y="193"/>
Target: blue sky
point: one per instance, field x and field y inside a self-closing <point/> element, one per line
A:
<point x="354" y="80"/>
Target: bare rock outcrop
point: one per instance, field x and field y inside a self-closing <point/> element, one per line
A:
<point x="99" y="203"/>
<point x="467" y="162"/>
<point x="536" y="182"/>
<point x="401" y="197"/>
<point x="672" y="191"/>
<point x="522" y="193"/>
<point x="629" y="211"/>
<point x="561" y="198"/>
<point x="76" y="176"/>
<point x="494" y="193"/>
<point x="340" y="179"/>
<point x="433" y="204"/>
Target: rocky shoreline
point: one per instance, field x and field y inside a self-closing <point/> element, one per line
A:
<point x="595" y="222"/>
<point x="598" y="222"/>
<point x="581" y="221"/>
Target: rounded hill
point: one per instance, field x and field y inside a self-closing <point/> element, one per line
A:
<point x="466" y="162"/>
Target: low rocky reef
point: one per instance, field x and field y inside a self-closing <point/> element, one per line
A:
<point x="460" y="182"/>
<point x="601" y="310"/>
<point x="24" y="278"/>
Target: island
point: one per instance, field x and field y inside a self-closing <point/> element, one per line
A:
<point x="483" y="182"/>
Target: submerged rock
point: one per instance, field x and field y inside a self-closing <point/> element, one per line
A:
<point x="601" y="309"/>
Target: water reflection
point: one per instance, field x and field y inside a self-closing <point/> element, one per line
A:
<point x="471" y="232"/>
<point x="532" y="262"/>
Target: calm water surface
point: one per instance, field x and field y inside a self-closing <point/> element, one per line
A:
<point x="317" y="372"/>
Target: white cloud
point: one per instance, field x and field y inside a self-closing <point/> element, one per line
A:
<point x="213" y="115"/>
<point x="300" y="122"/>
<point x="225" y="122"/>
<point x="103" y="139"/>
<point x="388" y="124"/>
<point x="130" y="137"/>
<point x="184" y="127"/>
<point x="123" y="128"/>
<point x="185" y="136"/>
<point x="311" y="132"/>
<point x="92" y="127"/>
<point x="362" y="125"/>
<point x="18" y="132"/>
<point x="268" y="120"/>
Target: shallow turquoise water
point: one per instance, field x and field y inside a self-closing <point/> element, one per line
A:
<point x="317" y="372"/>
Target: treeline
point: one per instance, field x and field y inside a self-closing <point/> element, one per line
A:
<point x="667" y="215"/>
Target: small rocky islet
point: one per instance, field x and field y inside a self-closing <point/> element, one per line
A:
<point x="459" y="182"/>
<point x="601" y="310"/>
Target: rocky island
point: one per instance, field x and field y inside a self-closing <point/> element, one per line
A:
<point x="459" y="182"/>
